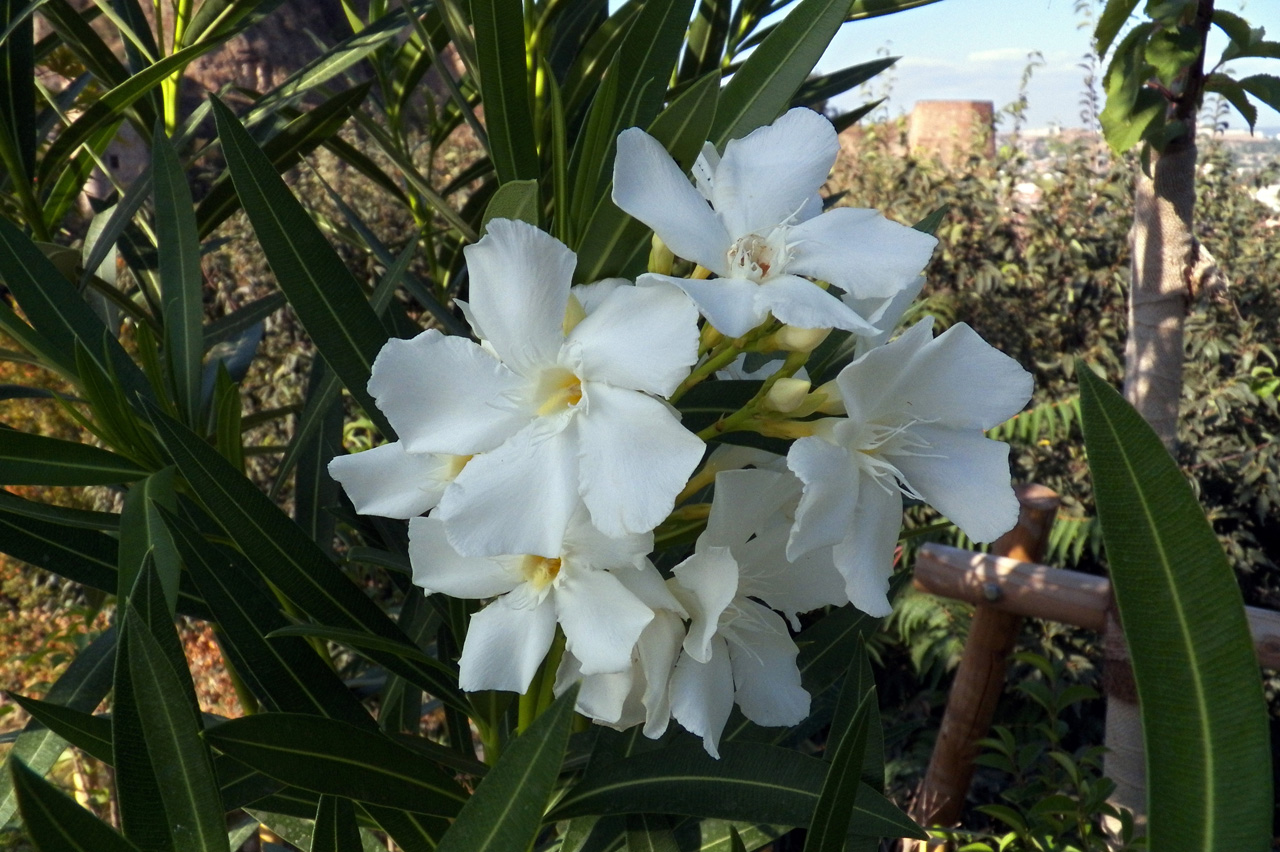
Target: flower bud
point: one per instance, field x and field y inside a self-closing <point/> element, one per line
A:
<point x="660" y="257"/>
<point x="834" y="402"/>
<point x="574" y="313"/>
<point x="787" y="394"/>
<point x="792" y="339"/>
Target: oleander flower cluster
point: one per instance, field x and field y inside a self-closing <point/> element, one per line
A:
<point x="545" y="467"/>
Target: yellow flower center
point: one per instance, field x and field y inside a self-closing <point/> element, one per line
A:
<point x="558" y="390"/>
<point x="539" y="570"/>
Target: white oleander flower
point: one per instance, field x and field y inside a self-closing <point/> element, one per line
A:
<point x="738" y="648"/>
<point x="394" y="483"/>
<point x="639" y="694"/>
<point x="578" y="589"/>
<point x="555" y="406"/>
<point x="917" y="408"/>
<point x="753" y="221"/>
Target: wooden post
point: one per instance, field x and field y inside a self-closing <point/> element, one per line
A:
<point x="979" y="681"/>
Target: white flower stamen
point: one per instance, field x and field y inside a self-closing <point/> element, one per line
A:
<point x="757" y="257"/>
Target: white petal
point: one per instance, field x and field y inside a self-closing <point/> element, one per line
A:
<point x="859" y="251"/>
<point x="957" y="379"/>
<point x="865" y="558"/>
<point x="704" y="170"/>
<point x="390" y="482"/>
<point x="446" y="394"/>
<point x="769" y="176"/>
<point x="884" y="314"/>
<point x="744" y="500"/>
<point x="961" y="380"/>
<point x="520" y="279"/>
<point x="516" y="499"/>
<point x="831" y="486"/>
<point x="644" y="338"/>
<point x="729" y="304"/>
<point x="789" y="586"/>
<point x="872" y="386"/>
<point x="765" y="675"/>
<point x="437" y="567"/>
<point x="965" y="476"/>
<point x="659" y="646"/>
<point x="803" y="304"/>
<point x="601" y="619"/>
<point x="702" y="695"/>
<point x="647" y="584"/>
<point x="611" y="699"/>
<point x="505" y="646"/>
<point x="649" y="185"/>
<point x="706" y="584"/>
<point x="587" y="547"/>
<point x="634" y="459"/>
<point x="591" y="295"/>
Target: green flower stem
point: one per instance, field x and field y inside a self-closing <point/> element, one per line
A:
<point x="722" y="355"/>
<point x="547" y="695"/>
<point x="529" y="702"/>
<point x="748" y="417"/>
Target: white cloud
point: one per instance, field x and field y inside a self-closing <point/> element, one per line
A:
<point x="1000" y="54"/>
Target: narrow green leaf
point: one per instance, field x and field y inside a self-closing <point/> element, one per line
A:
<point x="334" y="758"/>
<point x="78" y="518"/>
<point x="517" y="199"/>
<point x="82" y="39"/>
<point x="81" y="687"/>
<point x="281" y="552"/>
<point x="315" y="491"/>
<point x="58" y="312"/>
<point x="336" y="829"/>
<point x="584" y="75"/>
<point x="506" y="809"/>
<point x="411" y="832"/>
<point x="237" y="322"/>
<point x="181" y="283"/>
<point x="321" y="289"/>
<point x="650" y="833"/>
<point x="323" y="391"/>
<point x="56" y="822"/>
<point x="428" y="673"/>
<point x="285" y="674"/>
<point x="27" y="459"/>
<point x="500" y="51"/>
<point x="765" y="84"/>
<point x="17" y="86"/>
<point x="83" y="730"/>
<point x="834" y="818"/>
<point x="753" y="782"/>
<point x="819" y="89"/>
<point x="864" y="9"/>
<point x="612" y="242"/>
<point x="143" y="534"/>
<point x="1209" y="772"/>
<point x="284" y="149"/>
<point x="167" y="790"/>
<point x="332" y="62"/>
<point x="108" y="108"/>
<point x="707" y="36"/>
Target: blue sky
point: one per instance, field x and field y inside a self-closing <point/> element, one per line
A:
<point x="977" y="49"/>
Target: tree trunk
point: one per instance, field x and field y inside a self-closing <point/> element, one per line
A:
<point x="1165" y="253"/>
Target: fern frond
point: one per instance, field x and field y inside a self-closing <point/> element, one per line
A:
<point x="1048" y="422"/>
